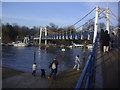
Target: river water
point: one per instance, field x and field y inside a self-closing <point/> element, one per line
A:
<point x="21" y="58"/>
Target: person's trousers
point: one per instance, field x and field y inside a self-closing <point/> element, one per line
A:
<point x="76" y="65"/>
<point x="101" y="47"/>
<point x="53" y="73"/>
<point x="34" y="72"/>
<point x="106" y="48"/>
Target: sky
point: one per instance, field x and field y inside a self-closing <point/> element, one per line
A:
<point x="43" y="13"/>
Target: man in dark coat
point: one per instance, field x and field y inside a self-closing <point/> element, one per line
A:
<point x="106" y="41"/>
<point x="54" y="66"/>
<point x="102" y="36"/>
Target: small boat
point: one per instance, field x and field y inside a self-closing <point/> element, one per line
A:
<point x="63" y="50"/>
<point x="2" y="44"/>
<point x="10" y="44"/>
<point x="70" y="46"/>
<point x="20" y="44"/>
<point x="89" y="46"/>
<point x="77" y="45"/>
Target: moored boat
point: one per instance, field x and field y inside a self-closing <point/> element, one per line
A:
<point x="20" y="44"/>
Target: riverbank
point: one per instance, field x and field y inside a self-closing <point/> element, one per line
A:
<point x="7" y="72"/>
<point x="17" y="79"/>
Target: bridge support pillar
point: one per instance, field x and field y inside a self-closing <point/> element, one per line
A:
<point x="107" y="20"/>
<point x="40" y="36"/>
<point x="76" y="37"/>
<point x="81" y="36"/>
<point x="96" y="23"/>
<point x="71" y="36"/>
<point x="66" y="36"/>
<point x="45" y="36"/>
<point x="88" y="36"/>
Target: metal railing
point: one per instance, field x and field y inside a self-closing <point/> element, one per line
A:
<point x="88" y="70"/>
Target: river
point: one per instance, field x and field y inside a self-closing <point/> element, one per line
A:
<point x="21" y="58"/>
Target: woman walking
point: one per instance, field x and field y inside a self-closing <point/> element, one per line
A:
<point x="102" y="37"/>
<point x="106" y="41"/>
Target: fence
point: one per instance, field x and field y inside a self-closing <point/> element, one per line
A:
<point x="87" y="73"/>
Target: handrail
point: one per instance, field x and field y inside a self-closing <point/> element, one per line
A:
<point x="88" y="69"/>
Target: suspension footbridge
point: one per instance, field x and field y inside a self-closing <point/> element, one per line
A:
<point x="90" y="76"/>
<point x="89" y="34"/>
<point x="100" y="70"/>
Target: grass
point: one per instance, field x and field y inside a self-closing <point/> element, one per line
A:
<point x="66" y="79"/>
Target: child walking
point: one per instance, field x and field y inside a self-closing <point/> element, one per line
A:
<point x="77" y="63"/>
<point x="34" y="69"/>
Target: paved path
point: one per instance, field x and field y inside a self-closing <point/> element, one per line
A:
<point x="107" y="69"/>
<point x="25" y="80"/>
<point x="65" y="79"/>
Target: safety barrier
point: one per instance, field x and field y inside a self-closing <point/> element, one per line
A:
<point x="88" y="70"/>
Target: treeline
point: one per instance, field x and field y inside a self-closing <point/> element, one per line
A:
<point x="17" y="33"/>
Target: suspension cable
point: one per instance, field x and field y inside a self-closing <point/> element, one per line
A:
<point x="117" y="18"/>
<point x="84" y="23"/>
<point x="91" y="19"/>
<point x="114" y="18"/>
<point x="111" y="23"/>
<point x="83" y="17"/>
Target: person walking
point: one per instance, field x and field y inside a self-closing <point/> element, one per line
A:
<point x="53" y="66"/>
<point x="102" y="36"/>
<point x="34" y="69"/>
<point x="77" y="63"/>
<point x="112" y="40"/>
<point x="106" y="41"/>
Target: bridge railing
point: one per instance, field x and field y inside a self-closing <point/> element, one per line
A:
<point x="68" y="36"/>
<point x="87" y="73"/>
<point x="115" y="43"/>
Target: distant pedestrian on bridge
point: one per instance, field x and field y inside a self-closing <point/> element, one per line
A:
<point x="106" y="41"/>
<point x="54" y="66"/>
<point x="102" y="37"/>
<point x="112" y="40"/>
<point x="77" y="63"/>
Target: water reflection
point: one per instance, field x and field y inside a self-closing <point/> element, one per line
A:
<point x="39" y="57"/>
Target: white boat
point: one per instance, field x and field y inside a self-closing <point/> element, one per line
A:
<point x="77" y="45"/>
<point x="70" y="46"/>
<point x="63" y="50"/>
<point x="20" y="44"/>
<point x="89" y="46"/>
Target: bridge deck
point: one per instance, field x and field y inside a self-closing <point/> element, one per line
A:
<point x="107" y="69"/>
